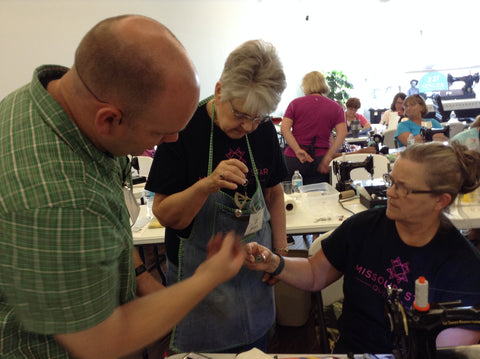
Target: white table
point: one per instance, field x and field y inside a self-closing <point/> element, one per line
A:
<point x="303" y="221"/>
<point x="147" y="235"/>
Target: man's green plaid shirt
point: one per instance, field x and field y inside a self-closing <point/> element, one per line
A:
<point x="66" y="244"/>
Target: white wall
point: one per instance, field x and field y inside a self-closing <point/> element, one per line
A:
<point x="373" y="42"/>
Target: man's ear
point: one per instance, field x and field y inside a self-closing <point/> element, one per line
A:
<point x="107" y="120"/>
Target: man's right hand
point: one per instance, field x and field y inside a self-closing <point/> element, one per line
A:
<point x="225" y="257"/>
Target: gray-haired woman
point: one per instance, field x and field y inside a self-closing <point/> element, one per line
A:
<point x="223" y="173"/>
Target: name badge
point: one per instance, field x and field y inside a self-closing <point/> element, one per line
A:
<point x="255" y="222"/>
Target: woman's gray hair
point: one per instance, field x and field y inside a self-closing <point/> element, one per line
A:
<point x="253" y="72"/>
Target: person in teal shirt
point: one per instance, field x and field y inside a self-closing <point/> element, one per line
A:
<point x="415" y="109"/>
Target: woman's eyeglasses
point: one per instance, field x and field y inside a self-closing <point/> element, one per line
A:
<point x="240" y="116"/>
<point x="401" y="190"/>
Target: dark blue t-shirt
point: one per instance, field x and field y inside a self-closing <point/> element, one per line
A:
<point x="370" y="253"/>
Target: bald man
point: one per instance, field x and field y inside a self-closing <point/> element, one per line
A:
<point x="67" y="274"/>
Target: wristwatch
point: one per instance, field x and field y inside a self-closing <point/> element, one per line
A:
<point x="140" y="269"/>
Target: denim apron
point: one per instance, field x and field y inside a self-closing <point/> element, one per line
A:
<point x="239" y="311"/>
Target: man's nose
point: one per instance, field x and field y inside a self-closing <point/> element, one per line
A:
<point x="170" y="138"/>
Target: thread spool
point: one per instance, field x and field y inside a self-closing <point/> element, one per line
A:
<point x="290" y="206"/>
<point x="421" y="295"/>
<point x="347" y="194"/>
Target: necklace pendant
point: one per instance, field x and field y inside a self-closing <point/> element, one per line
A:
<point x="238" y="213"/>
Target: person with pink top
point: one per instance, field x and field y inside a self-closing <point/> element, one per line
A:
<point x="307" y="126"/>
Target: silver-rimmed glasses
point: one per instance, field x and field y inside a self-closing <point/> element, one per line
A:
<point x="240" y="116"/>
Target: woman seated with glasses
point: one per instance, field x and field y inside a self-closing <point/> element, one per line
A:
<point x="224" y="173"/>
<point x="395" y="245"/>
<point x="415" y="110"/>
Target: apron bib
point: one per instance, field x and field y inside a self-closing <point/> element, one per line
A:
<point x="239" y="311"/>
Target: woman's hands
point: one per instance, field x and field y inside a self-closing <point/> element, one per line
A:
<point x="228" y="174"/>
<point x="303" y="156"/>
<point x="260" y="258"/>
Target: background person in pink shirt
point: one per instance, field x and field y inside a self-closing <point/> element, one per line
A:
<point x="307" y="126"/>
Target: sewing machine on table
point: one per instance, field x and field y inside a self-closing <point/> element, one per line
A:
<point x="414" y="332"/>
<point x="342" y="171"/>
<point x="428" y="132"/>
<point x="465" y="92"/>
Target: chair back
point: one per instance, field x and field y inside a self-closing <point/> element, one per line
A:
<point x="389" y="138"/>
<point x="455" y="127"/>
<point x="292" y="305"/>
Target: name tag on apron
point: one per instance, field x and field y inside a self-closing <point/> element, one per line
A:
<point x="132" y="204"/>
<point x="255" y="222"/>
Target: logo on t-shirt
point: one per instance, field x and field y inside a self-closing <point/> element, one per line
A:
<point x="399" y="270"/>
<point x="237" y="154"/>
<point x="379" y="282"/>
<point x="240" y="155"/>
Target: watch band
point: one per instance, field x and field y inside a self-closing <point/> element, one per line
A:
<point x="280" y="267"/>
<point x="140" y="269"/>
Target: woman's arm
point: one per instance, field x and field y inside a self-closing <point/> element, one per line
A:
<point x="341" y="129"/>
<point x="403" y="137"/>
<point x="274" y="199"/>
<point x="312" y="274"/>
<point x="457" y="336"/>
<point x="286" y="128"/>
<point x="364" y="122"/>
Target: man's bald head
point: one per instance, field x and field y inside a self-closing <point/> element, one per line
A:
<point x="129" y="60"/>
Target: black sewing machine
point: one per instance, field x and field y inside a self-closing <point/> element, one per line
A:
<point x="427" y="133"/>
<point x="414" y="332"/>
<point x="465" y="92"/>
<point x="342" y="171"/>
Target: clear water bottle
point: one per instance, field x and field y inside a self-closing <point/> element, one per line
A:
<point x="148" y="198"/>
<point x="410" y="140"/>
<point x="297" y="181"/>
